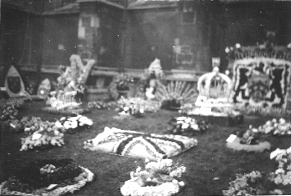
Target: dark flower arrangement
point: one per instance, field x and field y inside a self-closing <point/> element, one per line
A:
<point x="47" y="177"/>
<point x="123" y="81"/>
<point x="185" y="125"/>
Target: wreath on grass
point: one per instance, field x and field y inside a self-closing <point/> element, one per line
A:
<point x="158" y="178"/>
<point x="52" y="177"/>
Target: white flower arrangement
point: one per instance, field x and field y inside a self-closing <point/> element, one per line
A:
<point x="158" y="178"/>
<point x="73" y="122"/>
<point x="276" y="127"/>
<point x="282" y="175"/>
<point x="188" y="125"/>
<point x="254" y="183"/>
<point x="40" y="133"/>
<point x="54" y="189"/>
<point x="139" y="104"/>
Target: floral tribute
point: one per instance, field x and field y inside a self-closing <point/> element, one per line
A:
<point x="160" y="177"/>
<point x="41" y="133"/>
<point x="9" y="112"/>
<point x="74" y="123"/>
<point x="139" y="144"/>
<point x="276" y="127"/>
<point x="100" y="105"/>
<point x="174" y="94"/>
<point x="139" y="104"/>
<point x="184" y="125"/>
<point x="250" y="141"/>
<point x="47" y="178"/>
<point x="120" y="84"/>
<point x="282" y="175"/>
<point x="254" y="183"/>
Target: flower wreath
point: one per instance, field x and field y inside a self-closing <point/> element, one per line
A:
<point x="158" y="178"/>
<point x="47" y="178"/>
<point x="248" y="141"/>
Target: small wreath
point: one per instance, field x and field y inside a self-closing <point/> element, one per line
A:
<point x="259" y="147"/>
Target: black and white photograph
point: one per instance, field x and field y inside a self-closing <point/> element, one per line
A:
<point x="145" y="97"/>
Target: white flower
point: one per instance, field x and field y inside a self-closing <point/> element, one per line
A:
<point x="67" y="124"/>
<point x="58" y="124"/>
<point x="74" y="124"/>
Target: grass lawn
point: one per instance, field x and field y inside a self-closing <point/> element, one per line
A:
<point x="209" y="159"/>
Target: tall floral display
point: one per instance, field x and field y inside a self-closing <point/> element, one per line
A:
<point x="70" y="86"/>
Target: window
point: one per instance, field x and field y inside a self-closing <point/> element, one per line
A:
<point x="188" y="15"/>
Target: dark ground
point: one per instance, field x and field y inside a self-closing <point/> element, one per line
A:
<point x="209" y="159"/>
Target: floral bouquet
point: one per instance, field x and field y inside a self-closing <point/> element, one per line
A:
<point x="123" y="81"/>
<point x="74" y="123"/>
<point x="185" y="125"/>
<point x="254" y="183"/>
<point x="51" y="177"/>
<point x="282" y="175"/>
<point x="276" y="127"/>
<point x="157" y="178"/>
<point x="41" y="133"/>
<point x="9" y="112"/>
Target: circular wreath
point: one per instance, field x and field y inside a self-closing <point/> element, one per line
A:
<point x="47" y="178"/>
<point x="258" y="147"/>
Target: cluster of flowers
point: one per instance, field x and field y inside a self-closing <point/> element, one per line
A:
<point x="262" y="111"/>
<point x="139" y="104"/>
<point x="276" y="127"/>
<point x="41" y="133"/>
<point x="70" y="123"/>
<point x="101" y="105"/>
<point x="187" y="125"/>
<point x="9" y="112"/>
<point x="158" y="178"/>
<point x="282" y="175"/>
<point x="123" y="80"/>
<point x="254" y="183"/>
<point x="250" y="136"/>
<point x="48" y="168"/>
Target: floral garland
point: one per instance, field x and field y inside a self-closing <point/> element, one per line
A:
<point x="50" y="178"/>
<point x="73" y="123"/>
<point x="41" y="133"/>
<point x="282" y="175"/>
<point x="157" y="178"/>
<point x="254" y="183"/>
<point x="185" y="125"/>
